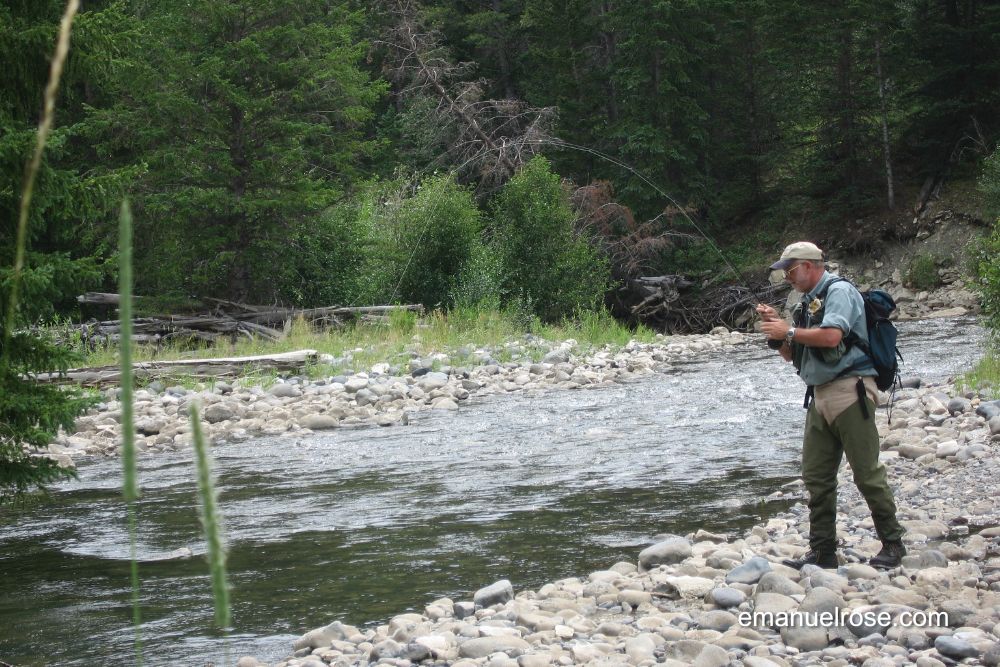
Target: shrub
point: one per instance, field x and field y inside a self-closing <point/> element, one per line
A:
<point x="439" y="229"/>
<point x="987" y="266"/>
<point x="545" y="262"/>
<point x="989" y="184"/>
<point x="320" y="263"/>
<point x="418" y="238"/>
<point x="987" y="251"/>
<point x="480" y="282"/>
<point x="922" y="273"/>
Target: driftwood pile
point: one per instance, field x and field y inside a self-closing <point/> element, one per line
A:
<point x="675" y="304"/>
<point x="202" y="369"/>
<point x="226" y="319"/>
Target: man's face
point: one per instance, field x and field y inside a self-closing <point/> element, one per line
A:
<point x="801" y="276"/>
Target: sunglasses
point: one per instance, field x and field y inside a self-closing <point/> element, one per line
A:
<point x="787" y="272"/>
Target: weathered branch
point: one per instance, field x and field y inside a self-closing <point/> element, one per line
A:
<point x="486" y="141"/>
<point x="196" y="368"/>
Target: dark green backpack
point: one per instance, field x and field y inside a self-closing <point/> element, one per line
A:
<point x="882" y="334"/>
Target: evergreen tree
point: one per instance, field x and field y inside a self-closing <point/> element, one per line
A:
<point x="249" y="118"/>
<point x="66" y="200"/>
<point x="952" y="80"/>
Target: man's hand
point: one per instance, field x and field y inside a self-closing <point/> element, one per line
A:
<point x="775" y="329"/>
<point x="767" y="313"/>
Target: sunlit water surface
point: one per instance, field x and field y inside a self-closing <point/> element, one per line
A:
<point x="361" y="524"/>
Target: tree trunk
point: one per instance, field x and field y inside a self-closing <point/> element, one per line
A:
<point x="609" y="45"/>
<point x="197" y="368"/>
<point x="846" y="112"/>
<point x="756" y="139"/>
<point x="506" y="71"/>
<point x="886" y="149"/>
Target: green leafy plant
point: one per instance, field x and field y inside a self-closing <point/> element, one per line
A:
<point x="987" y="268"/>
<point x="989" y="184"/>
<point x="418" y="235"/>
<point x="545" y="263"/>
<point x="31" y="413"/>
<point x="922" y="273"/>
<point x="985" y="377"/>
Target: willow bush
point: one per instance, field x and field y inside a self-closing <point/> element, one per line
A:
<point x="546" y="262"/>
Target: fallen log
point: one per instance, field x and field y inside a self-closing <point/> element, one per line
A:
<point x="99" y="298"/>
<point x="194" y="368"/>
<point x="250" y="322"/>
<point x="316" y="314"/>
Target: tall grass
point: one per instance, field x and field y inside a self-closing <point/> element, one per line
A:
<point x="211" y="523"/>
<point x="31" y="169"/>
<point x="366" y="344"/>
<point x="130" y="488"/>
<point x="985" y="377"/>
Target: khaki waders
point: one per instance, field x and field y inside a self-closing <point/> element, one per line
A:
<point x="823" y="448"/>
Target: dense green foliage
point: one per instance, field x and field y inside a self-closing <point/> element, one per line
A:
<point x="987" y="257"/>
<point x="243" y="129"/>
<point x="67" y="199"/>
<point x="247" y="118"/>
<point x="922" y="273"/>
<point x="260" y="142"/>
<point x="32" y="413"/>
<point x="417" y="237"/>
<point x="546" y="265"/>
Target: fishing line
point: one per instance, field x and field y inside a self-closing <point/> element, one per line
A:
<point x="665" y="195"/>
<point x="560" y="143"/>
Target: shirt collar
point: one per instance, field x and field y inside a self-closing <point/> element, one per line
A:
<point x="824" y="279"/>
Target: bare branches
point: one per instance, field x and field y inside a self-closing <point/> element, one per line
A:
<point x="671" y="304"/>
<point x="633" y="248"/>
<point x="484" y="140"/>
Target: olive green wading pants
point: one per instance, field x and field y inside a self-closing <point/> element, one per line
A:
<point x="822" y="449"/>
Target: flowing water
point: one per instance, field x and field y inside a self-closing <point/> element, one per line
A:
<point x="360" y="524"/>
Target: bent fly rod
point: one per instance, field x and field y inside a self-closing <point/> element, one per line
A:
<point x="604" y="156"/>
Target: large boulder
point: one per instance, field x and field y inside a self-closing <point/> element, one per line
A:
<point x="321" y="637"/>
<point x="668" y="552"/>
<point x="319" y="422"/>
<point x="685" y="588"/>
<point x="989" y="409"/>
<point x="481" y="647"/>
<point x="219" y="412"/>
<point x="498" y="593"/>
<point x="749" y="572"/>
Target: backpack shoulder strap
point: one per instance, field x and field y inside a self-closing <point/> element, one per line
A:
<point x="836" y="279"/>
<point x="852" y="338"/>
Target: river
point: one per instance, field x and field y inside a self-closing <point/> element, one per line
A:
<point x="360" y="524"/>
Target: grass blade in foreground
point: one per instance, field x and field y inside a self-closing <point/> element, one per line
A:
<point x="131" y="486"/>
<point x="211" y="523"/>
<point x="31" y="171"/>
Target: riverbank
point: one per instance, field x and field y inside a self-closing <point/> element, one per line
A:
<point x="409" y="378"/>
<point x="691" y="599"/>
<point x="386" y="394"/>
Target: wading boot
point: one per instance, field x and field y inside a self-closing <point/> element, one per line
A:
<point x="889" y="557"/>
<point x="824" y="559"/>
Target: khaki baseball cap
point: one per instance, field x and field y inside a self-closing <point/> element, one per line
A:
<point x="796" y="251"/>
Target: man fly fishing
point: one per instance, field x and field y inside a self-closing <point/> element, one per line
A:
<point x="841" y="397"/>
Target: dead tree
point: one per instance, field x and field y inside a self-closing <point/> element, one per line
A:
<point x="485" y="140"/>
<point x="632" y="248"/>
